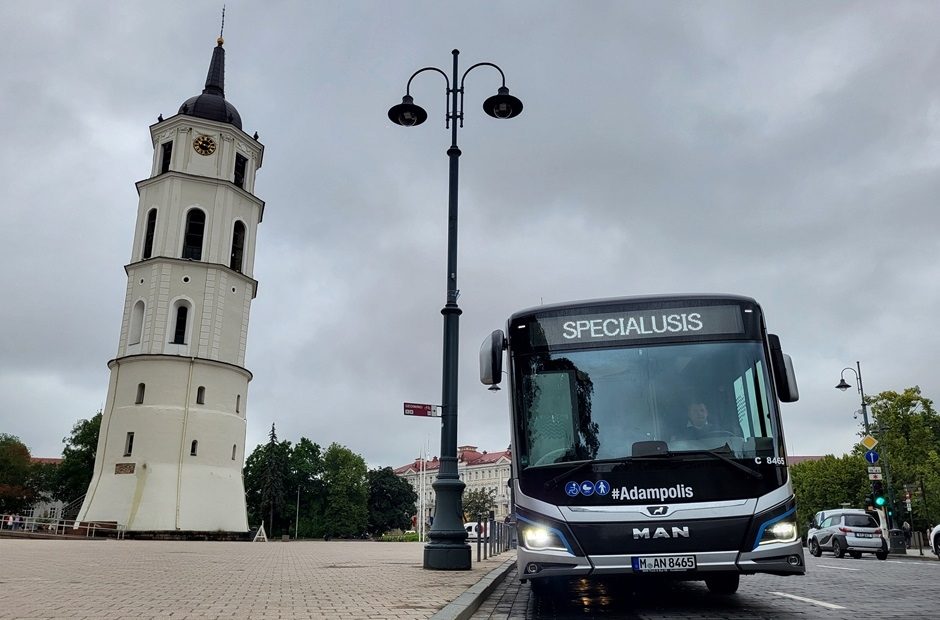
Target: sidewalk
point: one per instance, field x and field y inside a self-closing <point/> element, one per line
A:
<point x="108" y="579"/>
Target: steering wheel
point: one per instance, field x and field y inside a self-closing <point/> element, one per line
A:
<point x="551" y="457"/>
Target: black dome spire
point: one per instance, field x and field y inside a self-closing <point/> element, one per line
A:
<point x="211" y="104"/>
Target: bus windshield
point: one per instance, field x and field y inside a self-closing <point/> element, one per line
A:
<point x="604" y="403"/>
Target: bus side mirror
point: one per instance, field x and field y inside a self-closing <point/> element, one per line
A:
<point x="491" y="358"/>
<point x="784" y="376"/>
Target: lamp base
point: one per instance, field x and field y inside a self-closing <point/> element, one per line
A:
<point x="447" y="558"/>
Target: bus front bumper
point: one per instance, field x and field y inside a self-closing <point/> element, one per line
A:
<point x="775" y="559"/>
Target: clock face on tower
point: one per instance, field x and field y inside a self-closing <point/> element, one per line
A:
<point x="204" y="145"/>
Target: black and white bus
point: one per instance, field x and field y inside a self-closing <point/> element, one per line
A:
<point x="647" y="438"/>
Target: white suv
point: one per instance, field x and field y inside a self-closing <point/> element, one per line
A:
<point x="846" y="531"/>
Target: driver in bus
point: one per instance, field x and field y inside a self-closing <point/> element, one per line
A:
<point x="697" y="425"/>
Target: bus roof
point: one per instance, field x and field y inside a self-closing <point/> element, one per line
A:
<point x="636" y="299"/>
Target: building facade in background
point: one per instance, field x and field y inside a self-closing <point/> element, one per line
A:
<point x="477" y="470"/>
<point x="172" y="442"/>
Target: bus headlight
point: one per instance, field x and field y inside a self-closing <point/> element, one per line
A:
<point x="782" y="531"/>
<point x="539" y="538"/>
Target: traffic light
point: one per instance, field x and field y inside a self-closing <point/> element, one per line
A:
<point x="878" y="493"/>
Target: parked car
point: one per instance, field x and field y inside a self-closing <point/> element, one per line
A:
<point x="934" y="541"/>
<point x="473" y="531"/>
<point x="846" y="531"/>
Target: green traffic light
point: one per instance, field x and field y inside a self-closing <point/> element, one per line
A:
<point x="880" y="501"/>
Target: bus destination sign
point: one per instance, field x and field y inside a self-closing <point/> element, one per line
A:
<point x="641" y="324"/>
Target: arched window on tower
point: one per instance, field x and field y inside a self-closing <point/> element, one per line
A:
<point x="137" y="323"/>
<point x="195" y="228"/>
<point x="148" y="236"/>
<point x="193" y="448"/>
<point x="201" y="395"/>
<point x="141" y="388"/>
<point x="165" y="155"/>
<point x="241" y="162"/>
<point x="234" y="447"/>
<point x="238" y="246"/>
<point x="179" y="330"/>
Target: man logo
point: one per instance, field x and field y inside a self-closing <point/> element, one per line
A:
<point x="661" y="532"/>
<point x="657" y="511"/>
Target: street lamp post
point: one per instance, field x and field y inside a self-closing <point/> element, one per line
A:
<point x="843" y="385"/>
<point x="447" y="548"/>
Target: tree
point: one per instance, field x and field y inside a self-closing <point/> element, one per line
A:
<point x="16" y="492"/>
<point x="78" y="460"/>
<point x="306" y="464"/>
<point x="391" y="501"/>
<point x="478" y="502"/>
<point x="908" y="432"/>
<point x="827" y="483"/>
<point x="346" y="509"/>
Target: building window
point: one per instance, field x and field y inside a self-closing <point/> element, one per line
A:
<point x="140" y="394"/>
<point x="129" y="444"/>
<point x="238" y="246"/>
<point x="179" y="332"/>
<point x="193" y="448"/>
<point x="148" y="237"/>
<point x="238" y="403"/>
<point x="167" y="152"/>
<point x="192" y="241"/>
<point x="234" y="447"/>
<point x="137" y="323"/>
<point x="240" y="163"/>
<point x="201" y="395"/>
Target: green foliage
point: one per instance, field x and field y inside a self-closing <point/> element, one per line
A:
<point x="346" y="511"/>
<point x="16" y="491"/>
<point x="828" y="483"/>
<point x="73" y="474"/>
<point x="307" y="470"/>
<point x="267" y="475"/>
<point x="908" y="431"/>
<point x="477" y="503"/>
<point x="407" y="537"/>
<point x="391" y="501"/>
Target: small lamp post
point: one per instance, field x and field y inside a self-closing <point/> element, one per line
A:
<point x="447" y="548"/>
<point x="843" y="385"/>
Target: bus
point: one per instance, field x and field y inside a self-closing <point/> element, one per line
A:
<point x="647" y="439"/>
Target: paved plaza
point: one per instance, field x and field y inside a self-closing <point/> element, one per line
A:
<point x="108" y="579"/>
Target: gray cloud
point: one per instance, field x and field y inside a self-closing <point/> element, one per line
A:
<point x="787" y="152"/>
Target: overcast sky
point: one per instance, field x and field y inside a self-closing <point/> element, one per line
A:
<point x="785" y="151"/>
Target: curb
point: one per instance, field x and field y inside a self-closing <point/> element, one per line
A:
<point x="468" y="602"/>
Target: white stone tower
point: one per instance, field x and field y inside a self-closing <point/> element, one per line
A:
<point x="172" y="442"/>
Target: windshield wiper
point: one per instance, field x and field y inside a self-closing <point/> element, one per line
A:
<point x="712" y="453"/>
<point x="572" y="471"/>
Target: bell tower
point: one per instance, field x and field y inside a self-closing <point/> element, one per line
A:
<point x="172" y="442"/>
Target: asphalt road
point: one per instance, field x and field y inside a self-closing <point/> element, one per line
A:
<point x="831" y="588"/>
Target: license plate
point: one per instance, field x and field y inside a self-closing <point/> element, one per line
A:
<point x="862" y="535"/>
<point x="662" y="564"/>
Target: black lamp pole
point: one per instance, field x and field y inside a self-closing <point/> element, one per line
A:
<point x="447" y="548"/>
<point x="844" y="386"/>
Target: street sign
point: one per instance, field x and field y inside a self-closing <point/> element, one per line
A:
<point x="871" y="456"/>
<point x="874" y="470"/>
<point x="875" y="477"/>
<point x="424" y="411"/>
<point x="869" y="442"/>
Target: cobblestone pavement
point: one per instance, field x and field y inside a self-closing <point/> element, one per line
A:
<point x="832" y="588"/>
<point x="108" y="579"/>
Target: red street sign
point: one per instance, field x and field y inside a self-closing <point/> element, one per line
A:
<point x="426" y="411"/>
